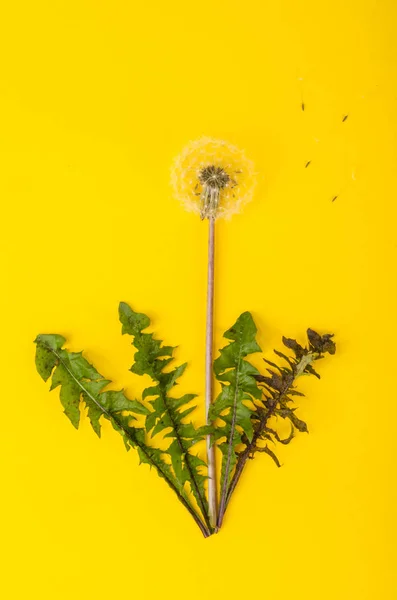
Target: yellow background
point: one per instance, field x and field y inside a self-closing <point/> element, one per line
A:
<point x="96" y="98"/>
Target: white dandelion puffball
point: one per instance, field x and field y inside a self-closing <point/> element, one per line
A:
<point x="213" y="178"/>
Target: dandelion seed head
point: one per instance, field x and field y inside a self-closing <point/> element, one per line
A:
<point x="213" y="178"/>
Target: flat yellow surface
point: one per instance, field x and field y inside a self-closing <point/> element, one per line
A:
<point x="96" y="98"/>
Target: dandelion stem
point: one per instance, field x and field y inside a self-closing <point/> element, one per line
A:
<point x="208" y="369"/>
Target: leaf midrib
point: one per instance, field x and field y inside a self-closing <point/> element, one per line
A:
<point x="131" y="438"/>
<point x="230" y="444"/>
<point x="300" y="367"/>
<point x="185" y="451"/>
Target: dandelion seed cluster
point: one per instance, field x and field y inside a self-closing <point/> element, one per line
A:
<point x="213" y="178"/>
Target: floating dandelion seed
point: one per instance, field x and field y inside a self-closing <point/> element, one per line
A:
<point x="353" y="179"/>
<point x="303" y="104"/>
<point x="214" y="179"/>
